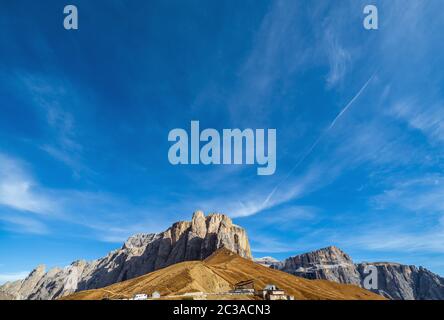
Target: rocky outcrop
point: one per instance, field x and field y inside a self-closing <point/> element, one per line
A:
<point x="403" y="282"/>
<point x="394" y="281"/>
<point x="329" y="263"/>
<point x="199" y="238"/>
<point x="269" y="262"/>
<point x="10" y="290"/>
<point x="140" y="254"/>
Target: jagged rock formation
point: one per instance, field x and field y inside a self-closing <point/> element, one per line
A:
<point x="140" y="254"/>
<point x="269" y="262"/>
<point x="9" y="291"/>
<point x="403" y="282"/>
<point x="218" y="274"/>
<point x="395" y="281"/>
<point x="199" y="238"/>
<point x="329" y="263"/>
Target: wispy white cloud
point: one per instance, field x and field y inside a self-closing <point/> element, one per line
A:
<point x="264" y="242"/>
<point x="254" y="200"/>
<point x="278" y="51"/>
<point x="270" y="245"/>
<point x="28" y="202"/>
<point x="9" y="277"/>
<point x="424" y="194"/>
<point x="53" y="97"/>
<point x="288" y="215"/>
<point x="23" y="224"/>
<point x="269" y="202"/>
<point x="119" y="232"/>
<point x="426" y="118"/>
<point x="371" y="142"/>
<point x="18" y="190"/>
<point x="416" y="223"/>
<point x="339" y="59"/>
<point x="390" y="239"/>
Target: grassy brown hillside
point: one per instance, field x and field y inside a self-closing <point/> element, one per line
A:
<point x="219" y="273"/>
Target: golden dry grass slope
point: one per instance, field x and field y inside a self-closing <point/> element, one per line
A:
<point x="217" y="274"/>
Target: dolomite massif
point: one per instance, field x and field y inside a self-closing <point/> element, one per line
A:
<point x="395" y="281"/>
<point x="143" y="253"/>
<point x="198" y="239"/>
<point x="214" y="277"/>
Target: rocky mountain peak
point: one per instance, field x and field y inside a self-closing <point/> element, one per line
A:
<point x="405" y="282"/>
<point x="140" y="254"/>
<point x="215" y="220"/>
<point x="327" y="263"/>
<point x="269" y="262"/>
<point x="39" y="269"/>
<point x="198" y="215"/>
<point x="138" y="240"/>
<point x="330" y="255"/>
<point x="395" y="280"/>
<point x="198" y="224"/>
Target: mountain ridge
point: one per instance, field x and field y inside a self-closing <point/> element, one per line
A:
<point x="199" y="238"/>
<point x="395" y="280"/>
<point x="139" y="255"/>
<point x="215" y="276"/>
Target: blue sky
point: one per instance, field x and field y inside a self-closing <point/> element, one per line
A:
<point x="85" y="117"/>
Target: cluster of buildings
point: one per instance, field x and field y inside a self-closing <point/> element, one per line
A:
<point x="144" y="296"/>
<point x="269" y="292"/>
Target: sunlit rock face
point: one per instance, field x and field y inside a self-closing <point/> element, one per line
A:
<point x="142" y="253"/>
<point x="394" y="281"/>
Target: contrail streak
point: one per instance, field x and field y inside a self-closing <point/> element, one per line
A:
<point x="314" y="145"/>
<point x="350" y="103"/>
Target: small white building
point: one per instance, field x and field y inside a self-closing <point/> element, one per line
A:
<point x="272" y="292"/>
<point x="155" y="295"/>
<point x="271" y="287"/>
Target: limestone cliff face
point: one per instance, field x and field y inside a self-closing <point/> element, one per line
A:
<point x="403" y="282"/>
<point x="395" y="281"/>
<point x="329" y="263"/>
<point x="186" y="240"/>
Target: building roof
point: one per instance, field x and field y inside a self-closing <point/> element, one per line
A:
<point x="245" y="282"/>
<point x="271" y="287"/>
